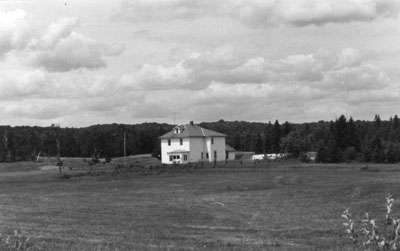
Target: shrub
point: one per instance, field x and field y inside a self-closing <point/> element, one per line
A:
<point x="108" y="159"/>
<point x="374" y="234"/>
<point x="304" y="158"/>
<point x="17" y="242"/>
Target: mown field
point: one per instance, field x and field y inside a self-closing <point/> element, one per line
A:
<point x="274" y="206"/>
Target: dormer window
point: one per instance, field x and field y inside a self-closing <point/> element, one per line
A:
<point x="177" y="130"/>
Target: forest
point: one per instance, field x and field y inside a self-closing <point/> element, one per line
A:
<point x="341" y="140"/>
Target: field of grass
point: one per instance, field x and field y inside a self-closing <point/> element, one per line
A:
<point x="274" y="206"/>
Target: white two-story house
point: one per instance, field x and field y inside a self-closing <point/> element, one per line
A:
<point x="192" y="143"/>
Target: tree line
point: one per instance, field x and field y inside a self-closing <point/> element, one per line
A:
<point x="22" y="143"/>
<point x="334" y="141"/>
<point x="342" y="140"/>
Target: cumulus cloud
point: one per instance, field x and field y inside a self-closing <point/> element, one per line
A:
<point x="14" y="31"/>
<point x="74" y="52"/>
<point x="62" y="49"/>
<point x="358" y="78"/>
<point x="15" y="84"/>
<point x="299" y="68"/>
<point x="163" y="10"/>
<point x="199" y="70"/>
<point x="36" y="108"/>
<point x="158" y="77"/>
<point x="324" y="82"/>
<point x="263" y="13"/>
<point x="345" y="70"/>
<point x="301" y="13"/>
<point x="56" y="31"/>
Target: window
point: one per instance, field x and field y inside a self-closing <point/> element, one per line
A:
<point x="181" y="141"/>
<point x="202" y="155"/>
<point x="185" y="157"/>
<point x="169" y="142"/>
<point x="215" y="154"/>
<point x="176" y="156"/>
<point x="176" y="131"/>
<point x="206" y="155"/>
<point x="170" y="158"/>
<point x="212" y="140"/>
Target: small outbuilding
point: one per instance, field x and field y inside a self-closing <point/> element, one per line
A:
<point x="230" y="152"/>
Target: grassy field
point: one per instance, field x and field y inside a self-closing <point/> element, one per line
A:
<point x="276" y="206"/>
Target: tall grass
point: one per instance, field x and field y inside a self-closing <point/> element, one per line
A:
<point x="374" y="234"/>
<point x="18" y="242"/>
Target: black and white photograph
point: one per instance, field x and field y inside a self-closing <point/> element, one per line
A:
<point x="219" y="125"/>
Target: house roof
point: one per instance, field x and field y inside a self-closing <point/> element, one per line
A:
<point x="228" y="148"/>
<point x="191" y="130"/>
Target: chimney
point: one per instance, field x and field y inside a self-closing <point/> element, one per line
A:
<point x="191" y="122"/>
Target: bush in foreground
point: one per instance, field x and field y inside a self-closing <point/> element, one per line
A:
<point x="374" y="234"/>
<point x="17" y="242"/>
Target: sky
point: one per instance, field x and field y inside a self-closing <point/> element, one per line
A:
<point x="77" y="63"/>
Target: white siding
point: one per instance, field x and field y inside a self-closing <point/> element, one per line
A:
<point x="175" y="145"/>
<point x="196" y="146"/>
<point x="218" y="146"/>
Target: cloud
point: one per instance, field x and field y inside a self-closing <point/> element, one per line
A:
<point x="317" y="12"/>
<point x="62" y="49"/>
<point x="74" y="52"/>
<point x="56" y="31"/>
<point x="36" y="108"/>
<point x="14" y="31"/>
<point x="15" y="84"/>
<point x="314" y="12"/>
<point x="349" y="57"/>
<point x="150" y="110"/>
<point x="297" y="86"/>
<point x="348" y="69"/>
<point x="299" y="68"/>
<point x="262" y="13"/>
<point x="365" y="76"/>
<point x="198" y="70"/>
<point x="59" y="49"/>
<point x="158" y="77"/>
<point x="163" y="10"/>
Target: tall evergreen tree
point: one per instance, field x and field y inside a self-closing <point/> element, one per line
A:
<point x="276" y="136"/>
<point x="268" y="138"/>
<point x="378" y="122"/>
<point x="395" y="123"/>
<point x="378" y="152"/>
<point x="352" y="138"/>
<point x="259" y="146"/>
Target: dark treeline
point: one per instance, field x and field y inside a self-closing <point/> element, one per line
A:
<point x="99" y="141"/>
<point x="341" y="140"/>
<point x="335" y="141"/>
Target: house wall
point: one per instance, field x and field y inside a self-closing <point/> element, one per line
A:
<point x="175" y="145"/>
<point x="196" y="145"/>
<point x="219" y="146"/>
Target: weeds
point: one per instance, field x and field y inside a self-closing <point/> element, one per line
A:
<point x="17" y="242"/>
<point x="375" y="235"/>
